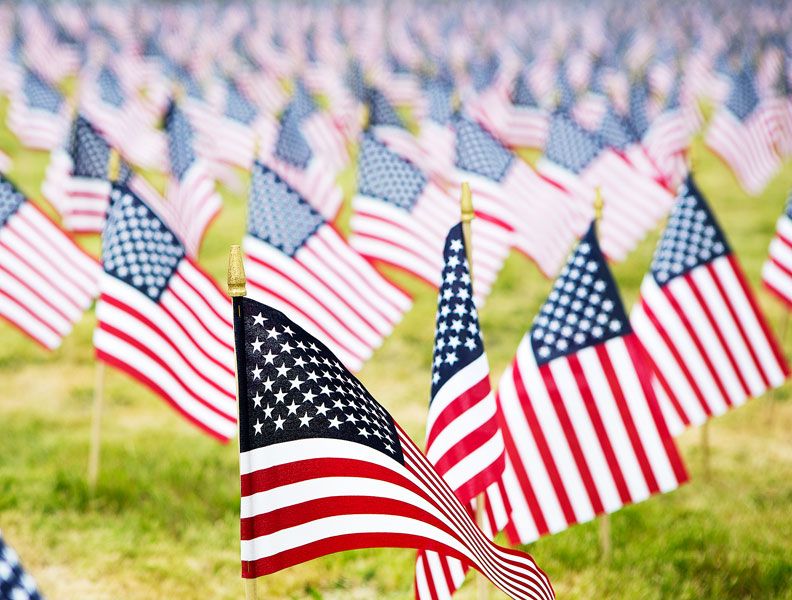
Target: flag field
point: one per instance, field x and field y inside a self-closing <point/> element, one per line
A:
<point x="164" y="520"/>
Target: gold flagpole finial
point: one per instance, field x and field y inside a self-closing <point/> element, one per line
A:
<point x="113" y="165"/>
<point x="598" y="205"/>
<point x="236" y="273"/>
<point x="467" y="203"/>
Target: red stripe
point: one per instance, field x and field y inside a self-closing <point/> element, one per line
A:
<point x="20" y="325"/>
<point x="599" y="427"/>
<point x="452" y="411"/>
<point x="559" y="405"/>
<point x="624" y="411"/>
<point x="37" y="294"/>
<point x="543" y="446"/>
<point x="188" y="307"/>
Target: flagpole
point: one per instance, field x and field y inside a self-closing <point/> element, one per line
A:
<point x="466" y="202"/>
<point x="237" y="289"/>
<point x="605" y="539"/>
<point x="113" y="168"/>
<point x="782" y="334"/>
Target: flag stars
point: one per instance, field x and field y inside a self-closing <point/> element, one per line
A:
<point x="259" y="319"/>
<point x="268" y="411"/>
<point x="258" y="427"/>
<point x="272" y="333"/>
<point x="292" y="408"/>
<point x="279" y="423"/>
<point x="257" y="345"/>
<point x="256" y="373"/>
<point x="305" y="420"/>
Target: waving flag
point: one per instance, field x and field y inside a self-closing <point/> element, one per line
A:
<point x="527" y="122"/>
<point x="298" y="262"/>
<point x="463" y="438"/>
<point x="708" y="341"/>
<point x="777" y="270"/>
<point x="15" y="582"/>
<point x="46" y="280"/>
<point x="38" y="114"/>
<point x="741" y="133"/>
<point x="582" y="426"/>
<point x="192" y="190"/>
<point x="162" y="320"/>
<point x="387" y="126"/>
<point x="436" y="135"/>
<point x="325" y="468"/>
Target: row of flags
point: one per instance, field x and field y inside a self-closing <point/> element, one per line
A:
<point x="580" y="424"/>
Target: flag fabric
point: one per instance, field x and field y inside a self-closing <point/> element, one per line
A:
<point x="15" y="582"/>
<point x="387" y="126"/>
<point x="463" y="438"/>
<point x="527" y="122"/>
<point x="583" y="429"/>
<point x="46" y="280"/>
<point x="742" y="132"/>
<point x="325" y="468"/>
<point x="708" y="342"/>
<point x="38" y="114"/>
<point x="299" y="262"/>
<point x="191" y="189"/>
<point x="161" y="319"/>
<point x="777" y="269"/>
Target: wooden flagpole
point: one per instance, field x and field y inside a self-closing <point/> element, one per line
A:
<point x="466" y="202"/>
<point x="605" y="539"/>
<point x="113" y="168"/>
<point x="237" y="289"/>
<point x="782" y="334"/>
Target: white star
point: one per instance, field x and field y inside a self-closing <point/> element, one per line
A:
<point x="321" y="409"/>
<point x="287" y="330"/>
<point x="257" y="373"/>
<point x="456" y="245"/>
<point x="351" y="418"/>
<point x="456" y="325"/>
<point x="300" y="345"/>
<point x="460" y="309"/>
<point x="279" y="396"/>
<point x="257" y="345"/>
<point x="269" y="357"/>
<point x="279" y="423"/>
<point x="309" y="396"/>
<point x="287" y="348"/>
<point x="325" y="390"/>
<point x="258" y="427"/>
<point x="363" y="432"/>
<point x="296" y="382"/>
<point x="282" y="370"/>
<point x="338" y="403"/>
<point x="470" y="344"/>
<point x="304" y="420"/>
<point x="435" y="376"/>
<point x="257" y="399"/>
<point x="311" y="376"/>
<point x="299" y="362"/>
<point x="258" y="319"/>
<point x="267" y="383"/>
<point x="334" y="422"/>
<point x="272" y="333"/>
<point x="292" y="408"/>
<point x="451" y="358"/>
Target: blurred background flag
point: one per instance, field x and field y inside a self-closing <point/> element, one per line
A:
<point x="38" y="114"/>
<point x="707" y="339"/>
<point x="46" y="280"/>
<point x="777" y="269"/>
<point x="15" y="582"/>
<point x="161" y="319"/>
<point x="325" y="468"/>
<point x="583" y="429"/>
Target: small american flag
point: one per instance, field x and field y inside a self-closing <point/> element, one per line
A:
<point x="192" y="190"/>
<point x="527" y="122"/>
<point x="708" y="341"/>
<point x="741" y="133"/>
<point x="777" y="270"/>
<point x="513" y="198"/>
<point x="582" y="426"/>
<point x="15" y="582"/>
<point x="161" y="319"/>
<point x="38" y="114"/>
<point x="46" y="280"/>
<point x="388" y="127"/>
<point x="463" y="438"/>
<point x="325" y="468"/>
<point x="298" y="262"/>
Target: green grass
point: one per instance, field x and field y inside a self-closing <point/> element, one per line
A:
<point x="163" y="522"/>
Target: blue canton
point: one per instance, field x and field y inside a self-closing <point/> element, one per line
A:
<point x="522" y="95"/>
<point x="137" y="247"/>
<point x="615" y="131"/>
<point x="15" y="582"/>
<point x="40" y="94"/>
<point x="566" y="94"/>
<point x="482" y="72"/>
<point x="291" y="387"/>
<point x="110" y="90"/>
<point x="291" y="146"/>
<point x="480" y="153"/>
<point x="381" y="112"/>
<point x="277" y="214"/>
<point x="569" y="145"/>
<point x="385" y="175"/>
<point x="639" y="99"/>
<point x="355" y="80"/>
<point x="692" y="236"/>
<point x="180" y="141"/>
<point x="457" y="334"/>
<point x="584" y="307"/>
<point x="302" y="104"/>
<point x="10" y="200"/>
<point x="743" y="98"/>
<point x="440" y="96"/>
<point x="90" y="153"/>
<point x="239" y="108"/>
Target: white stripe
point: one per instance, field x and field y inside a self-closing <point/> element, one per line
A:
<point x="456" y="385"/>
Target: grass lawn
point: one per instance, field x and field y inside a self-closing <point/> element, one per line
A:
<point x="164" y="521"/>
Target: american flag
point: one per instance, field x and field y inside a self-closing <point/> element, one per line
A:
<point x="741" y="133"/>
<point x="513" y="198"/>
<point x="192" y="190"/>
<point x="161" y="319"/>
<point x="303" y="168"/>
<point x="709" y="344"/>
<point x="577" y="161"/>
<point x="38" y="114"/>
<point x="388" y="127"/>
<point x="299" y="262"/>
<point x="15" y="582"/>
<point x="777" y="270"/>
<point x="527" y="122"/>
<point x="325" y="468"/>
<point x="436" y="135"/>
<point x="583" y="429"/>
<point x="463" y="438"/>
<point x="46" y="280"/>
